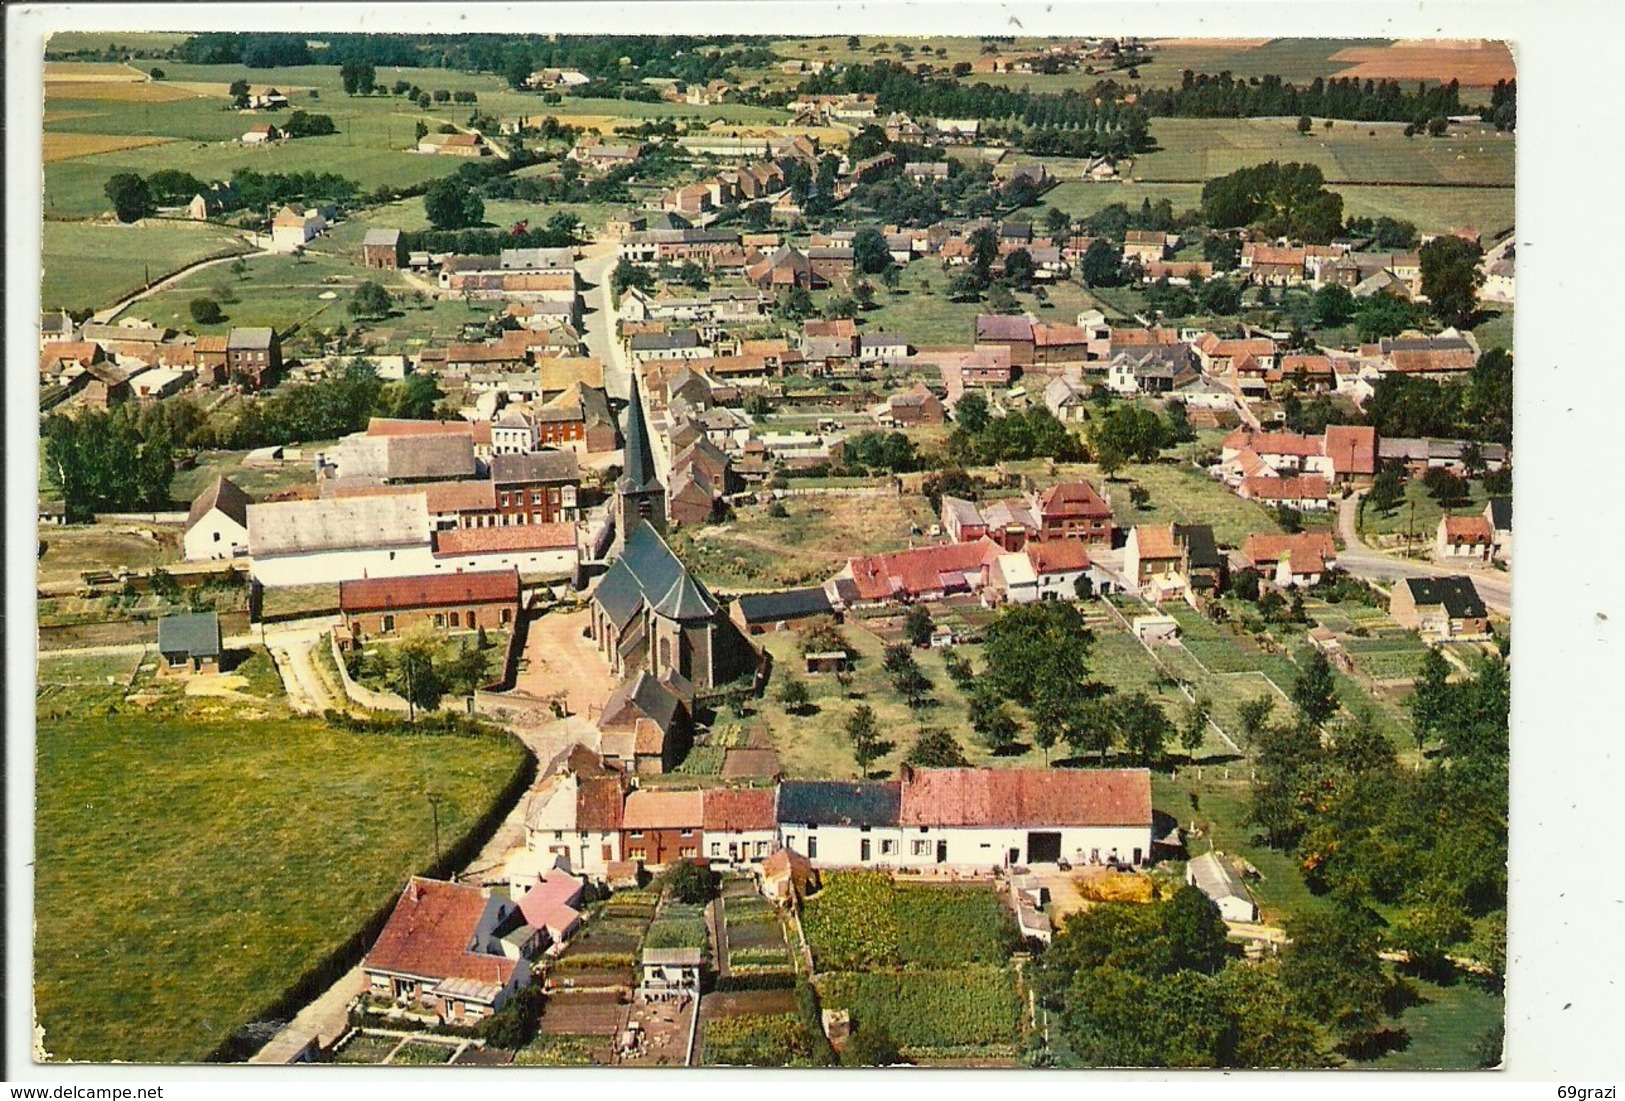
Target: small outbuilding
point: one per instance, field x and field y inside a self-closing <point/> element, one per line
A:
<point x="1212" y="874"/>
<point x="190" y="643"/>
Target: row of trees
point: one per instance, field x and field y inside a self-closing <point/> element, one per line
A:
<point x="979" y="438"/>
<point x="327" y="409"/>
<point x="1201" y="95"/>
<point x="1476" y="405"/>
<point x="109" y="461"/>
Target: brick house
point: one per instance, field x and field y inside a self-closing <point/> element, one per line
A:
<point x="1439" y="608"/>
<point x="1014" y="332"/>
<point x="658" y="827"/>
<point x="253" y="356"/>
<point x="190" y="643"/>
<point x="385" y="606"/>
<point x="382" y="249"/>
<point x="1073" y="510"/>
<point x="538" y="488"/>
<point x="915" y="406"/>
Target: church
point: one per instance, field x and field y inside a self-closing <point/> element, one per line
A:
<point x="648" y="612"/>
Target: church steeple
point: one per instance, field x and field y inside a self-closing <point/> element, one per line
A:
<point x="639" y="496"/>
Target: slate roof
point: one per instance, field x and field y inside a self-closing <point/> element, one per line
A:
<point x="644" y="695"/>
<point x="537" y="466"/>
<point x="224" y="495"/>
<point x="254" y="338"/>
<point x="1026" y="797"/>
<point x="839" y="803"/>
<point x="793" y="603"/>
<point x="1003" y="327"/>
<point x="385" y="238"/>
<point x="195" y="635"/>
<point x="647" y="571"/>
<point x="1501" y="513"/>
<point x="639" y="474"/>
<point x="1200" y="545"/>
<point x="1455" y="594"/>
<point x="374" y="594"/>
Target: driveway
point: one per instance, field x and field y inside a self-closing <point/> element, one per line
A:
<point x="1362" y="561"/>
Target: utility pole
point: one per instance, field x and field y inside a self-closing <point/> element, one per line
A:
<point x="435" y="798"/>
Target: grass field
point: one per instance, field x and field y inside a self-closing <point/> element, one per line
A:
<point x="240" y="852"/>
<point x="92" y="265"/>
<point x="256" y="481"/>
<point x="70" y="550"/>
<point x="1293" y="59"/>
<point x="1420" y="512"/>
<point x="807" y="545"/>
<point x="1445" y="1027"/>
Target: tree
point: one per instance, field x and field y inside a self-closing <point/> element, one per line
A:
<point x="991" y="721"/>
<point x="1334" y="305"/>
<point x="1331" y="970"/>
<point x="1196" y="934"/>
<point x="1382" y="315"/>
<point x="1019" y="268"/>
<point x="1438" y="126"/>
<point x="453" y="204"/>
<point x="1389" y="487"/>
<point x="1145" y="728"/>
<point x="1282" y="200"/>
<point x="794" y="695"/>
<point x="1451" y="278"/>
<point x="870" y="254"/>
<point x="238" y="89"/>
<point x="1244" y="583"/>
<point x="627" y="275"/>
<point x="1000" y="300"/>
<point x="1194" y="732"/>
<point x="972" y="413"/>
<point x="918" y="625"/>
<point x="129" y="195"/>
<point x="688" y="883"/>
<point x="302" y="124"/>
<point x="1220" y="296"/>
<point x="936" y="748"/>
<point x="1305" y="124"/>
<point x="912" y="685"/>
<point x="1139" y="496"/>
<point x="1254" y="715"/>
<point x="1057" y="222"/>
<point x="984" y="249"/>
<point x="1102" y="264"/>
<point x="205" y="311"/>
<point x="370" y="300"/>
<point x="1315" y="690"/>
<point x="864" y="735"/>
<point x="357" y="75"/>
<point x="1028" y="646"/>
<point x="1430" y="700"/>
<point x="412" y="674"/>
<point x="415" y="397"/>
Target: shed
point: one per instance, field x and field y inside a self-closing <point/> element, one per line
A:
<point x="1155" y="627"/>
<point x="1212" y="874"/>
<point x="190" y="643"/>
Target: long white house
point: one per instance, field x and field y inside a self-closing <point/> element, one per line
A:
<point x="340" y="539"/>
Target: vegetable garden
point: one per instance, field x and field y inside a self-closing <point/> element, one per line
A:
<point x="970" y="1010"/>
<point x="862" y="920"/>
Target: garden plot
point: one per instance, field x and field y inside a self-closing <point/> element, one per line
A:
<point x="755" y="934"/>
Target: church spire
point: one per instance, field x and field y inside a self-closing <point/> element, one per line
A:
<point x="638" y="475"/>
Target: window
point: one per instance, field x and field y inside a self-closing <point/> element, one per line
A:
<point x="217" y="537"/>
<point x="388" y="623"/>
<point x="716" y="848"/>
<point x="812" y="848"/>
<point x="637" y="835"/>
<point x="888" y="847"/>
<point x="440" y="619"/>
<point x="470" y="619"/>
<point x="536" y="497"/>
<point x="456" y="619"/>
<point x="558" y="835"/>
<point x="920" y="848"/>
<point x="688" y="852"/>
<point x="688" y="833"/>
<point x="504" y="498"/>
<point x="507" y="614"/>
<point x="638" y="854"/>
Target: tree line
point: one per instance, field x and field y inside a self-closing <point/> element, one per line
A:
<point x="1203" y="95"/>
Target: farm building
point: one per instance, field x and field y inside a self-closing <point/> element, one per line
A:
<point x="1212" y="874"/>
<point x="329" y="541"/>
<point x="658" y="827"/>
<point x="190" y="643"/>
<point x="382" y="249"/>
<point x="384" y="606"/>
<point x="756" y="613"/>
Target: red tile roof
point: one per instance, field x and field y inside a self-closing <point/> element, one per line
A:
<point x="519" y="537"/>
<point x="1053" y="336"/>
<point x="1156" y="541"/>
<point x="1072" y="499"/>
<point x="376" y="594"/>
<point x="1265" y="550"/>
<point x="1351" y="448"/>
<point x="1276" y="443"/>
<point x="657" y="810"/>
<point x="841" y="326"/>
<point x="428" y="934"/>
<point x="1026" y="797"/>
<point x="1058" y="556"/>
<point x="736" y="811"/>
<point x="1467" y="529"/>
<point x="884" y="576"/>
<point x="1284" y="489"/>
<point x="599" y="801"/>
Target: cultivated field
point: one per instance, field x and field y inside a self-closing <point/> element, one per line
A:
<point x="1475" y="63"/>
<point x="1298" y="60"/>
<point x="230" y="885"/>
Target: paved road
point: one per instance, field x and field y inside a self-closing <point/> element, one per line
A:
<point x="1494" y="588"/>
<point x="597" y="263"/>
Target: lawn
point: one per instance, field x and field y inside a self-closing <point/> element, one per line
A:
<point x="240" y="852"/>
<point x="1418" y="512"/>
<point x="1445" y="1027"/>
<point x="69" y="551"/>
<point x="1496" y="330"/>
<point x="256" y="481"/>
<point x="90" y="266"/>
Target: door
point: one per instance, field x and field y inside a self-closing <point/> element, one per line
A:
<point x="1043" y="848"/>
<point x="865" y="850"/>
<point x="942" y="852"/>
<point x="812" y="848"/>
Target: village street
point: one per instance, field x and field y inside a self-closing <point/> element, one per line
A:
<point x="1360" y="560"/>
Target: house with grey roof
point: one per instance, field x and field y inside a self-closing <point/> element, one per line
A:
<point x="190" y="643"/>
<point x="1214" y="876"/>
<point x="217" y="525"/>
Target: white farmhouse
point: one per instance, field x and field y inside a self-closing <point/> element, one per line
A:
<point x="217" y="525"/>
<point x="836" y="823"/>
<point x="345" y="539"/>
